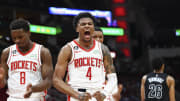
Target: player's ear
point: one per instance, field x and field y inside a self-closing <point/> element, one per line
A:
<point x="77" y="29"/>
<point x="29" y="33"/>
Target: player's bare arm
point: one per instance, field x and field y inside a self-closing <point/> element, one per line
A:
<point x="143" y="88"/>
<point x="117" y="95"/>
<point x="2" y="72"/>
<point x="46" y="72"/>
<point x="110" y="71"/>
<point x="4" y="67"/>
<point x="108" y="62"/>
<point x="171" y="84"/>
<point x="59" y="73"/>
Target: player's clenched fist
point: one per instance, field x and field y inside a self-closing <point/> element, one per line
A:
<point x="99" y="96"/>
<point x="28" y="91"/>
<point x="84" y="97"/>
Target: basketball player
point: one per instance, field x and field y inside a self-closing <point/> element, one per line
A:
<point x="98" y="35"/>
<point x="27" y="65"/>
<point x="157" y="86"/>
<point x="85" y="60"/>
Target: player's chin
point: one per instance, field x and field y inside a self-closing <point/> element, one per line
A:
<point x="19" y="46"/>
<point x="87" y="40"/>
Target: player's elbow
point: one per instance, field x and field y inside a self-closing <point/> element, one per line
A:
<point x="55" y="81"/>
<point x="49" y="81"/>
<point x="2" y="86"/>
<point x="49" y="84"/>
<point x="2" y="83"/>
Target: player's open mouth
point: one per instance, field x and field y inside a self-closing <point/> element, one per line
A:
<point x="87" y="33"/>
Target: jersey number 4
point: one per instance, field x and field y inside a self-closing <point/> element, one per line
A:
<point x="88" y="74"/>
<point x="22" y="78"/>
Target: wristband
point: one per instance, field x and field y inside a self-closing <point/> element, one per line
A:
<point x="80" y="96"/>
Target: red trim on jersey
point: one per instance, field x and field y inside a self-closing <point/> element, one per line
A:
<point x="39" y="54"/>
<point x="45" y="92"/>
<point x="100" y="49"/>
<point x="44" y="98"/>
<point x="73" y="54"/>
<point x="87" y="50"/>
<point x="68" y="98"/>
<point x="10" y="53"/>
<point x="27" y="51"/>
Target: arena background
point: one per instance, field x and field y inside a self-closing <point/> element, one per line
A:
<point x="149" y="31"/>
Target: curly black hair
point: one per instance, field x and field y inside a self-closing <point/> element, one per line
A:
<point x="82" y="15"/>
<point x="98" y="29"/>
<point x="157" y="63"/>
<point x="20" y="24"/>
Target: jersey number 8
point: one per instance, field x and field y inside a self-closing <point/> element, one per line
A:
<point x="22" y="78"/>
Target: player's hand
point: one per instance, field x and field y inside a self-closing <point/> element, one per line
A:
<point x="99" y="96"/>
<point x="2" y="79"/>
<point x="28" y="91"/>
<point x="84" y="97"/>
<point x="117" y="96"/>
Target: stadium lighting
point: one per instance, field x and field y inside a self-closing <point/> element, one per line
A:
<point x="43" y="29"/>
<point x="112" y="31"/>
<point x="177" y="32"/>
<point x="73" y="12"/>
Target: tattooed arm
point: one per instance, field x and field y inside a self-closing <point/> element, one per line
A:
<point x="110" y="71"/>
<point x="107" y="59"/>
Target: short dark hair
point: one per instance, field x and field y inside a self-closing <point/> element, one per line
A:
<point x="98" y="29"/>
<point x="20" y="24"/>
<point x="157" y="63"/>
<point x="82" y="15"/>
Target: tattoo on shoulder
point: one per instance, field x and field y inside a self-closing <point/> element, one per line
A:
<point x="105" y="50"/>
<point x="108" y="62"/>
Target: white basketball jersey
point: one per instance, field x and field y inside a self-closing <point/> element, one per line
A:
<point x="24" y="69"/>
<point x="86" y="68"/>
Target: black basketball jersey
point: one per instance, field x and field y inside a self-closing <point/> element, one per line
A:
<point x="156" y="88"/>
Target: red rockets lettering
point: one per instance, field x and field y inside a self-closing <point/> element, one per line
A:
<point x="87" y="61"/>
<point x="29" y="65"/>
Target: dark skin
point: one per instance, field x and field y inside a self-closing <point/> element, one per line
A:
<point x="22" y="39"/>
<point x="65" y="55"/>
<point x="98" y="36"/>
<point x="3" y="82"/>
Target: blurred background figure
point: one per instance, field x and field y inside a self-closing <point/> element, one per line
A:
<point x="158" y="85"/>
